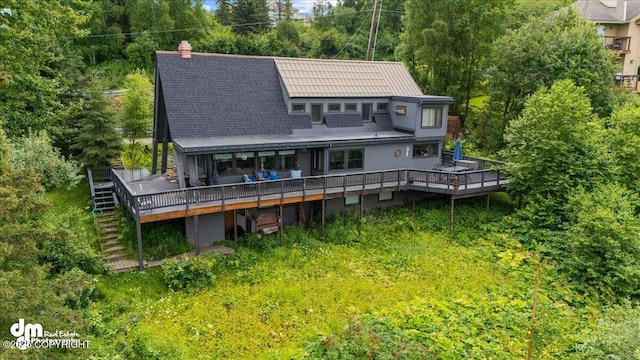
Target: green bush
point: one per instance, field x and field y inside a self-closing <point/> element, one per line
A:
<point x="160" y="240"/>
<point x="617" y="335"/>
<point x="601" y="249"/>
<point x="65" y="245"/>
<point x="188" y="274"/>
<point x="368" y="337"/>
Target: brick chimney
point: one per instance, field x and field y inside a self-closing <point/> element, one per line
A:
<point x="185" y="49"/>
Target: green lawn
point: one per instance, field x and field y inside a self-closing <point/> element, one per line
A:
<point x="272" y="303"/>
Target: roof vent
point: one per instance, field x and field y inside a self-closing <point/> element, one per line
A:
<point x="185" y="49"/>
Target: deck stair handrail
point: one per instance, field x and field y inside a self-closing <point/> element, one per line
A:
<point x="359" y="182"/>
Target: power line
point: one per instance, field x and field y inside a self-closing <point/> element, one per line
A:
<point x="354" y="35"/>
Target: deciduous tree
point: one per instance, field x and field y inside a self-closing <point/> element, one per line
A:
<point x="556" y="145"/>
<point x="137" y="109"/>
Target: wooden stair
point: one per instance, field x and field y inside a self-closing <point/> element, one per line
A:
<point x="110" y="245"/>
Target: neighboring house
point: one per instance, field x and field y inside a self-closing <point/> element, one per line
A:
<point x="278" y="12"/>
<point x="336" y="135"/>
<point x="619" y="25"/>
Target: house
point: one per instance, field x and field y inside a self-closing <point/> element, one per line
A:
<point x="298" y="138"/>
<point x="278" y="12"/>
<point x="619" y="25"/>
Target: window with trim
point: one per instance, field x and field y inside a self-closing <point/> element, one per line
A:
<point x="245" y="162"/>
<point x="383" y="107"/>
<point x="335" y="107"/>
<point x="286" y="159"/>
<point x="316" y="113"/>
<point x="431" y="117"/>
<point x="224" y="163"/>
<point x="352" y="200"/>
<point x="318" y="160"/>
<point x="426" y="150"/>
<point x="350" y="107"/>
<point x="352" y="159"/>
<point x="385" y="196"/>
<point x="366" y="112"/>
<point x="297" y="108"/>
<point x="267" y="160"/>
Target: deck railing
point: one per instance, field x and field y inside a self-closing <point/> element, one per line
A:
<point x="483" y="164"/>
<point x="399" y="179"/>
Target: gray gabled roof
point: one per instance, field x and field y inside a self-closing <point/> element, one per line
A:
<point x="213" y="95"/>
<point x="608" y="11"/>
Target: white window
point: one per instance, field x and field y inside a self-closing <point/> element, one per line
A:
<point x="297" y="107"/>
<point x="352" y="200"/>
<point x="431" y="117"/>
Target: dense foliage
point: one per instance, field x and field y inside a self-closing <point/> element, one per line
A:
<point x="190" y="274"/>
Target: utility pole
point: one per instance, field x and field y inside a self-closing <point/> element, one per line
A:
<point x="372" y="31"/>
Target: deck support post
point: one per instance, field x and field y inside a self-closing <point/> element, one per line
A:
<point x="451" y="206"/>
<point x="361" y="205"/>
<point x="154" y="156"/>
<point x="139" y="235"/>
<point x="324" y="206"/>
<point x="280" y="223"/>
<point x="197" y="236"/>
<point x="488" y="201"/>
<point x="235" y="227"/>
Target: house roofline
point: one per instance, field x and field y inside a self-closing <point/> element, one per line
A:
<point x="294" y="145"/>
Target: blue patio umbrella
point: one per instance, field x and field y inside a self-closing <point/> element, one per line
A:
<point x="457" y="153"/>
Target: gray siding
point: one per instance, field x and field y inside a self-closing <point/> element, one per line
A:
<point x="407" y="121"/>
<point x="210" y="228"/>
<point x="371" y="202"/>
<point x="432" y="132"/>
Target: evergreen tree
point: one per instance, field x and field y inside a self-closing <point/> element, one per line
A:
<point x="251" y="16"/>
<point x="224" y="13"/>
<point x="97" y="140"/>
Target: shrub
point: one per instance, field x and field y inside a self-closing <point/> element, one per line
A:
<point x="617" y="335"/>
<point x="368" y="337"/>
<point x="159" y="240"/>
<point x="188" y="273"/>
<point x="64" y="244"/>
<point x="601" y="248"/>
<point x="37" y="152"/>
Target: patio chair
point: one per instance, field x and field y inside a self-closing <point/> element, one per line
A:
<point x="296" y="175"/>
<point x="259" y="175"/>
<point x="273" y="175"/>
<point x="248" y="179"/>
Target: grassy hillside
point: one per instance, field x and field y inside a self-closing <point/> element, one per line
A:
<point x="463" y="294"/>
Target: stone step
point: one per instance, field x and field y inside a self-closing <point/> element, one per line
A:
<point x="111" y="236"/>
<point x="109" y="229"/>
<point x="108" y="243"/>
<point x="116" y="257"/>
<point x="113" y="249"/>
<point x="107" y="222"/>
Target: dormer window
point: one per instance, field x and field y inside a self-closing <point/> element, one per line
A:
<point x="432" y="117"/>
<point x="316" y="113"/>
<point x="351" y="107"/>
<point x="367" y="109"/>
<point x="383" y="107"/>
<point x="297" y="108"/>
<point x="335" y="107"/>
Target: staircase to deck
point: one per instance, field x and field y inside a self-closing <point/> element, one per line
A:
<point x="110" y="245"/>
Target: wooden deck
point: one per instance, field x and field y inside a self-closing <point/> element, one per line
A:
<point x="180" y="203"/>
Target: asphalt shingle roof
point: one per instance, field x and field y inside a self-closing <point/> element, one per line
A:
<point x="216" y="95"/>
<point x="342" y="120"/>
<point x="383" y="122"/>
<point x="608" y="11"/>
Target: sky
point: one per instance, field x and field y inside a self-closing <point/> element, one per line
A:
<point x="305" y="6"/>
